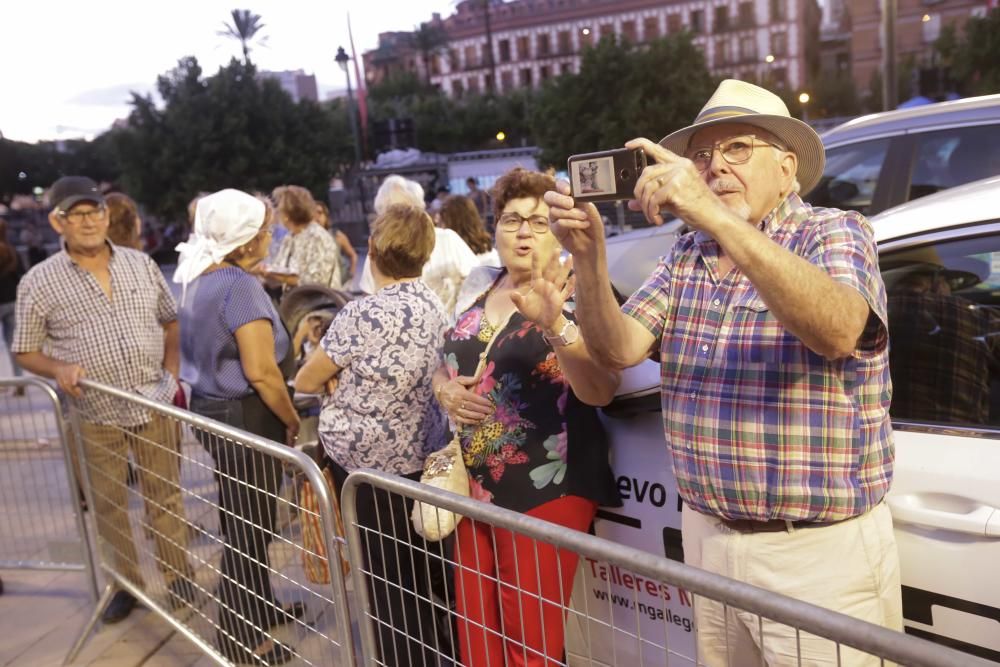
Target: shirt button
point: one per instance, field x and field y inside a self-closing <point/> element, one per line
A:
<point x="718" y="302"/>
<point x="704" y="348"/>
<point x="693" y="394"/>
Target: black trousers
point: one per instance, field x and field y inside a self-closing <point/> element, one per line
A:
<point x="407" y="579"/>
<point x="249" y="482"/>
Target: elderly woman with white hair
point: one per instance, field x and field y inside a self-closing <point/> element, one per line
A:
<point x="233" y="344"/>
<point x="450" y="262"/>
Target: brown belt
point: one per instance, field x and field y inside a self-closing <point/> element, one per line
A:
<point x="774" y="525"/>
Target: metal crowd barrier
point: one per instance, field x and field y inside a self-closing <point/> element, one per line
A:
<point x="208" y="535"/>
<point x="613" y="634"/>
<point x="41" y="525"/>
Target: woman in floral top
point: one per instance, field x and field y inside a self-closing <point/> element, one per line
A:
<point x="531" y="441"/>
<point x="381" y="352"/>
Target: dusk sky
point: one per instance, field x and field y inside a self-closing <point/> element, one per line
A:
<point x="66" y="68"/>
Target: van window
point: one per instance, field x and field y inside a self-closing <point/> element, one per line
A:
<point x="956" y="156"/>
<point x="850" y="176"/>
<point x="944" y="332"/>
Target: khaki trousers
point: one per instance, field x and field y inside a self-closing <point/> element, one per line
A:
<point x="851" y="567"/>
<point x="154" y="448"/>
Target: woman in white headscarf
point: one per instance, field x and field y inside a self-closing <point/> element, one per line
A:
<point x="232" y="346"/>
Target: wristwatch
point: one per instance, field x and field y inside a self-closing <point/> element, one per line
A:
<point x="569" y="335"/>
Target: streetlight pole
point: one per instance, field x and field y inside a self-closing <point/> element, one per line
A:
<point x="342" y="59"/>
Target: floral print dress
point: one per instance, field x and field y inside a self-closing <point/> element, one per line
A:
<point x="518" y="457"/>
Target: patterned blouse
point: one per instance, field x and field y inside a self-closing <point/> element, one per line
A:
<point x="541" y="442"/>
<point x="313" y="254"/>
<point x="383" y="413"/>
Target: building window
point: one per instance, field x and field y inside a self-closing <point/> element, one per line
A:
<point x="456" y="88"/>
<point x="586" y="38"/>
<point x="566" y="68"/>
<point x="721" y="20"/>
<point x="779" y="11"/>
<point x="523" y="49"/>
<point x="543" y="44"/>
<point x="748" y="50"/>
<point x="435" y="65"/>
<point x="453" y="60"/>
<point x="747" y="18"/>
<point x="607" y="30"/>
<point x="650" y="28"/>
<point x="698" y="21"/>
<point x="525" y="77"/>
<point x="628" y="31"/>
<point x="565" y="43"/>
<point x="505" y="50"/>
<point x="506" y="81"/>
<point x="473" y="84"/>
<point x="471" y="62"/>
<point x="723" y="52"/>
<point x="779" y="44"/>
<point x="673" y="23"/>
<point x="780" y="77"/>
<point x="544" y="73"/>
<point x="485" y="58"/>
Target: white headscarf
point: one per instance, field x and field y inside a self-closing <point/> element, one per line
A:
<point x="223" y="221"/>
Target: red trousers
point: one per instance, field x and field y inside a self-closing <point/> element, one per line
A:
<point x="505" y="617"/>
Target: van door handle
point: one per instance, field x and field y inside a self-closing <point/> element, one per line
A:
<point x="971" y="519"/>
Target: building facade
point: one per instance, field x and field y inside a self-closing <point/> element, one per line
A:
<point x="772" y="41"/>
<point x="918" y="24"/>
<point x="297" y="83"/>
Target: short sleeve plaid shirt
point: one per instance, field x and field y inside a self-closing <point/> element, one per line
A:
<point x="761" y="427"/>
<point x="62" y="311"/>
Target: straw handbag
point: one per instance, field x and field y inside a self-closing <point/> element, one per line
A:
<point x="315" y="560"/>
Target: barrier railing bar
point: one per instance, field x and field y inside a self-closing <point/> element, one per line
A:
<point x="894" y="646"/>
<point x="81" y="526"/>
<point x="296" y="458"/>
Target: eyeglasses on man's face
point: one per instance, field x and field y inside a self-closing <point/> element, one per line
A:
<point x="77" y="216"/>
<point x="511" y="222"/>
<point x="735" y="150"/>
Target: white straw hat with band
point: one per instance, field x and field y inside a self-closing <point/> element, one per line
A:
<point x="741" y="102"/>
<point x="223" y="221"/>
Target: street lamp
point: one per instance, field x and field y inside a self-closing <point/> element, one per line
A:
<point x="342" y="59"/>
<point x="501" y="135"/>
<point x="804" y="100"/>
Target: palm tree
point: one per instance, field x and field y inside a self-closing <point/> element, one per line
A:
<point x="429" y="38"/>
<point x="244" y="28"/>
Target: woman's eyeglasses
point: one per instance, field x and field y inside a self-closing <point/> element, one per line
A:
<point x="511" y="222"/>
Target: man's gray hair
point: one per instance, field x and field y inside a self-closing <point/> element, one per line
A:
<point x="398" y="190"/>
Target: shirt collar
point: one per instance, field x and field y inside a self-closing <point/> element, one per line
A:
<point x="65" y="252"/>
<point x="772" y="222"/>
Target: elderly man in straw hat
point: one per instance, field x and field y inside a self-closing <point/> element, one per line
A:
<point x="770" y="320"/>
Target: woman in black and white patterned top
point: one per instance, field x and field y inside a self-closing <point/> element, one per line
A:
<point x="381" y="352"/>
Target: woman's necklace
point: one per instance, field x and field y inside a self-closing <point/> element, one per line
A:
<point x="486" y="328"/>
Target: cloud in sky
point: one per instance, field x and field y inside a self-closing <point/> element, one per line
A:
<point x="68" y="62"/>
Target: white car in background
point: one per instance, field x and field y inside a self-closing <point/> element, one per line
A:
<point x="940" y="258"/>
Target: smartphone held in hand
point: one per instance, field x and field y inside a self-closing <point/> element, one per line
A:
<point x="605" y="175"/>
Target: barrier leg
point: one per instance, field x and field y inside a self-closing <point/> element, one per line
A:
<point x="91" y="622"/>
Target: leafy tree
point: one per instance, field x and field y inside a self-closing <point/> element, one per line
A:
<point x="973" y="58"/>
<point x="244" y="28"/>
<point x="621" y="92"/>
<point x="228" y="130"/>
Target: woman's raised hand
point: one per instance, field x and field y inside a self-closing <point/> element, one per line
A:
<point x="550" y="287"/>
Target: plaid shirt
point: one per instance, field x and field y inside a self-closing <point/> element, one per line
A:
<point x="760" y="427"/>
<point x="62" y="311"/>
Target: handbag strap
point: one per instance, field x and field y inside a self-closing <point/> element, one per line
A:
<point x="481" y="366"/>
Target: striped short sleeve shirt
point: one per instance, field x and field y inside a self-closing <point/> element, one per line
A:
<point x="760" y="427"/>
<point x="63" y="312"/>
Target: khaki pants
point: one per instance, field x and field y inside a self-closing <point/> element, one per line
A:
<point x="851" y="567"/>
<point x="155" y="450"/>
